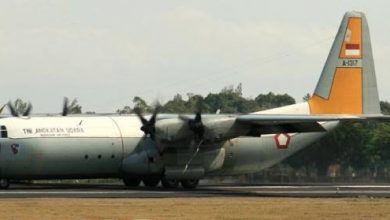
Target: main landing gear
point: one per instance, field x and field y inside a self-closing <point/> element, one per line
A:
<point x="169" y="183"/>
<point x="131" y="181"/>
<point x="190" y="184"/>
<point x="153" y="181"/>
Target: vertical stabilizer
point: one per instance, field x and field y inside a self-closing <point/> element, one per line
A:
<point x="348" y="84"/>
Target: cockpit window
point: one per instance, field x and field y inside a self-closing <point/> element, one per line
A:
<point x="3" y="131"/>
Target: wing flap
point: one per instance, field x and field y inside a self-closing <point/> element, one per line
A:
<point x="270" y="119"/>
<point x="257" y="130"/>
<point x="271" y="124"/>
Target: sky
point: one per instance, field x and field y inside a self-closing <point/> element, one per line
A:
<point x="106" y="52"/>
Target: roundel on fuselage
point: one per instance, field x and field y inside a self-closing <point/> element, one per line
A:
<point x="282" y="140"/>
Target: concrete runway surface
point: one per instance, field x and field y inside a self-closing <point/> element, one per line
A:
<point x="119" y="191"/>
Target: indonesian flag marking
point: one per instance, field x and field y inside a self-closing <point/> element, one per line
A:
<point x="352" y="49"/>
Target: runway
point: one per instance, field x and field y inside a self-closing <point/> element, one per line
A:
<point x="119" y="191"/>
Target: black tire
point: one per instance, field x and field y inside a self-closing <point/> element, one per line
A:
<point x="4" y="183"/>
<point x="151" y="181"/>
<point x="169" y="183"/>
<point x="131" y="181"/>
<point x="190" y="184"/>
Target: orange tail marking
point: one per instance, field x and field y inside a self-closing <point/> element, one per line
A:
<point x="346" y="96"/>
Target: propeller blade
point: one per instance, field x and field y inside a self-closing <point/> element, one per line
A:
<point x="140" y="116"/>
<point x="28" y="110"/>
<point x="195" y="125"/>
<point x="148" y="126"/>
<point x="65" y="108"/>
<point x="154" y="116"/>
<point x="12" y="109"/>
<point x="2" y="108"/>
<point x="198" y="117"/>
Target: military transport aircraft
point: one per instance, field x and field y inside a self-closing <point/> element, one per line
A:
<point x="183" y="149"/>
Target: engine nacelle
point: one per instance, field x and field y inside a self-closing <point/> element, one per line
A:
<point x="176" y="130"/>
<point x="144" y="162"/>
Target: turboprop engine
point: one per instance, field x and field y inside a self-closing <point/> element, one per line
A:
<point x="144" y="160"/>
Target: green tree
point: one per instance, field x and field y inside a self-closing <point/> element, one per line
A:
<point x="271" y="100"/>
<point x="385" y="107"/>
<point x="380" y="142"/>
<point x="177" y="104"/>
<point x="230" y="100"/>
<point x="124" y="110"/>
<point x="141" y="105"/>
<point x="306" y="97"/>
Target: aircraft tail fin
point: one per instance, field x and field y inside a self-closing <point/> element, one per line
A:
<point x="348" y="84"/>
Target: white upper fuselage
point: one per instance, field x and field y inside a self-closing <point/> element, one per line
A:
<point x="73" y="126"/>
<point x="100" y="126"/>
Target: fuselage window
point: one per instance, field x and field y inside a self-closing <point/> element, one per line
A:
<point x="3" y="131"/>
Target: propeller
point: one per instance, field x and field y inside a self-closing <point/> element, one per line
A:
<point x="28" y="110"/>
<point x="15" y="113"/>
<point x="12" y="109"/>
<point x="2" y="108"/>
<point x="195" y="125"/>
<point x="148" y="126"/>
<point x="65" y="107"/>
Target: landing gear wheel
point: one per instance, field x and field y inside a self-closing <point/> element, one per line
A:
<point x="151" y="181"/>
<point x="169" y="183"/>
<point x="4" y="183"/>
<point x="131" y="181"/>
<point x="189" y="184"/>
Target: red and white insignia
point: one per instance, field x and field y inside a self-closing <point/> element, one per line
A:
<point x="282" y="140"/>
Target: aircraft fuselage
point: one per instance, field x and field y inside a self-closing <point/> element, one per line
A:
<point x="113" y="146"/>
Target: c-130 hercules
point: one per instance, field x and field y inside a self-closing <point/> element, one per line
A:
<point x="183" y="149"/>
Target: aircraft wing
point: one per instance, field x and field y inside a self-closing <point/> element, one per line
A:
<point x="217" y="128"/>
<point x="269" y="124"/>
<point x="379" y="118"/>
<point x="277" y="119"/>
